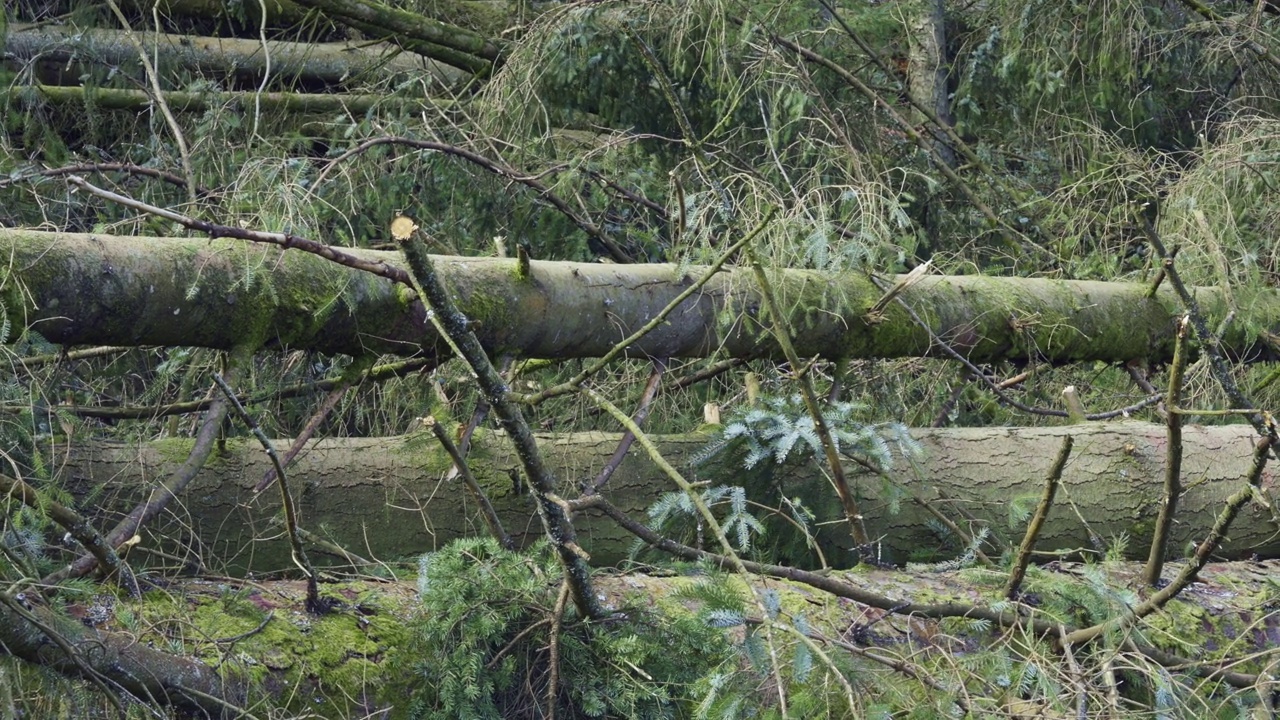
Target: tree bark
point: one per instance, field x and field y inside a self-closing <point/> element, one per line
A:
<point x="927" y="71"/>
<point x="487" y="17"/>
<point x="61" y="50"/>
<point x="100" y="289"/>
<point x="385" y="497"/>
<point x="181" y="101"/>
<point x="417" y="33"/>
<point x="116" y="657"/>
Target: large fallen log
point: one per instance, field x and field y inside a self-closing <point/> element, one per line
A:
<point x="386" y="497"/>
<point x="81" y="288"/>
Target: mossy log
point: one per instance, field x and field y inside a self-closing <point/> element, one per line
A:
<point x="103" y="289"/>
<point x="114" y="659"/>
<point x="350" y="663"/>
<point x="60" y="50"/>
<point x="183" y="101"/>
<point x="387" y="497"/>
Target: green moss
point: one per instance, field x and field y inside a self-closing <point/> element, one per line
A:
<point x="265" y="639"/>
<point x="173" y="449"/>
<point x="486" y="309"/>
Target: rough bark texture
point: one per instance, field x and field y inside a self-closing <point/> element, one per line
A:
<point x="81" y="288"/>
<point x="385" y="497"/>
<point x="927" y="69"/>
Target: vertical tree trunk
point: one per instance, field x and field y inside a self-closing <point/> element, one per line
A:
<point x="927" y="69"/>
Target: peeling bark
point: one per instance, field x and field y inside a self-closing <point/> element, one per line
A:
<point x="376" y="496"/>
<point x="101" y="289"/>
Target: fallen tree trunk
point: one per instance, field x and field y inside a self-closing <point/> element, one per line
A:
<point x="385" y="497"/>
<point x="344" y="664"/>
<point x="60" y="52"/>
<point x="80" y="288"/>
<point x="180" y="101"/>
<point x="114" y="659"/>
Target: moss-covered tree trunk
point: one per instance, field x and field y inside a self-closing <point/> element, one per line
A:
<point x="80" y="288"/>
<point x="60" y="54"/>
<point x="386" y="497"/>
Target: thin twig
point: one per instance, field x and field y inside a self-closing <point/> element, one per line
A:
<point x="86" y="670"/>
<point x="1209" y="342"/>
<point x="283" y="240"/>
<point x="908" y="128"/>
<point x="1189" y="571"/>
<point x="299" y="552"/>
<point x="157" y="96"/>
<point x="954" y="528"/>
<point x="641" y="414"/>
<point x="996" y="389"/>
<point x="731" y="557"/>
<point x="313" y="423"/>
<point x="1019" y="570"/>
<point x="75" y="525"/>
<point x="159" y="498"/>
<point x="128" y="168"/>
<point x="147" y="412"/>
<point x="852" y="512"/>
<point x="838" y="587"/>
<point x="591" y="369"/>
<point x="544" y="192"/>
<point x="1173" y="461"/>
<point x="460" y="466"/>
<point x="1136" y="373"/>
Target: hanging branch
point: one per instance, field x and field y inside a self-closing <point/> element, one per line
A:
<point x="908" y="129"/>
<point x="1256" y="48"/>
<point x="1051" y="482"/>
<point x="556" y="520"/>
<point x="953" y="138"/>
<point x="530" y="181"/>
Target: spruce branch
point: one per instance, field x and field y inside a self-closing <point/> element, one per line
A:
<point x="852" y="513"/>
